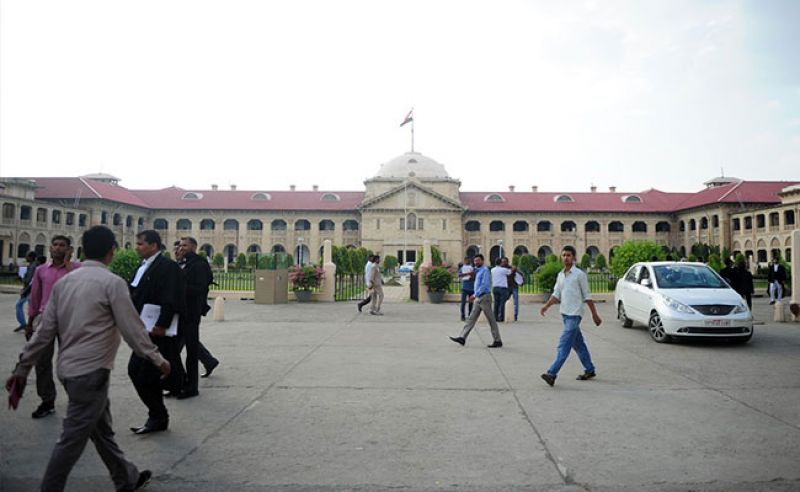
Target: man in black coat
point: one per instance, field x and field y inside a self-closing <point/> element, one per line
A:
<point x="198" y="277"/>
<point x="776" y="276"/>
<point x="157" y="281"/>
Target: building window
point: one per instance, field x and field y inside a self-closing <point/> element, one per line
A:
<point x="55" y="217"/>
<point x="327" y="225"/>
<point x="544" y="226"/>
<point x="191" y="196"/>
<point x="330" y="197"/>
<point x="748" y="223"/>
<point x="520" y="226"/>
<point x="632" y="199"/>
<point x="302" y="225"/>
<point x="82" y="220"/>
<point x="715" y="221"/>
<point x="160" y="224"/>
<point x="230" y="225"/>
<point x="760" y="221"/>
<point x="563" y="199"/>
<point x="207" y="225"/>
<point x="692" y="225"/>
<point x="9" y="210"/>
<point x="278" y="225"/>
<point x="260" y="196"/>
<point x="184" y="225"/>
<point x="129" y="221"/>
<point x="350" y="225"/>
<point x="616" y="226"/>
<point x="497" y="226"/>
<point x="568" y="226"/>
<point x="255" y="225"/>
<point x="104" y="217"/>
<point x="117" y="219"/>
<point x="681" y="226"/>
<point x="70" y="218"/>
<point x="494" y="197"/>
<point x="472" y="226"/>
<point x="639" y="226"/>
<point x="592" y="226"/>
<point x="411" y="222"/>
<point x="774" y="219"/>
<point x="662" y="226"/>
<point x="737" y="225"/>
<point x="25" y="212"/>
<point x="788" y="217"/>
<point x="41" y="215"/>
<point x="704" y="223"/>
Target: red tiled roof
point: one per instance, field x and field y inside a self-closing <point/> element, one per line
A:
<point x="172" y="198"/>
<point x="652" y="201"/>
<point x="741" y="192"/>
<point x="84" y="189"/>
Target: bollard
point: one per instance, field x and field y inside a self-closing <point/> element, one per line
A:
<point x="219" y="309"/>
<point x="778" y="315"/>
<point x="509" y="310"/>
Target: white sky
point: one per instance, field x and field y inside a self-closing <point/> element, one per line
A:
<point x="264" y="94"/>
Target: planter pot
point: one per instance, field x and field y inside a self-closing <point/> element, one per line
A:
<point x="436" y="297"/>
<point x="303" y="295"/>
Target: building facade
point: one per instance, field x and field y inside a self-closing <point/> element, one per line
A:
<point x="410" y="199"/>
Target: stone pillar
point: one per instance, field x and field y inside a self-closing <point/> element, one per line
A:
<point x="427" y="263"/>
<point x="752" y="265"/>
<point x="219" y="309"/>
<point x="328" y="291"/>
<point x="794" y="306"/>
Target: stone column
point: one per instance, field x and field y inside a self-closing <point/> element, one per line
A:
<point x="427" y="263"/>
<point x="328" y="291"/>
<point x="794" y="306"/>
<point x="752" y="265"/>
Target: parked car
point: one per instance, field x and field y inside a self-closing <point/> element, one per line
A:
<point x="681" y="300"/>
<point x="407" y="267"/>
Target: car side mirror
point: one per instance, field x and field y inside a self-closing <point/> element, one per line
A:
<point x="647" y="283"/>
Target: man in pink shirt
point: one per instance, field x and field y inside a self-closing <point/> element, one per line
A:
<point x="44" y="279"/>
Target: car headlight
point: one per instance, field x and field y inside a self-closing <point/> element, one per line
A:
<point x="677" y="306"/>
<point x="741" y="308"/>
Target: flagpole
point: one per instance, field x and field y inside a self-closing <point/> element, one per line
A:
<point x="412" y="135"/>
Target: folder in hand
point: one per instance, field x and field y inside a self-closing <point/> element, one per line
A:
<point x="150" y="314"/>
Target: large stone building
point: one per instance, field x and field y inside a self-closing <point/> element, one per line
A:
<point x="410" y="199"/>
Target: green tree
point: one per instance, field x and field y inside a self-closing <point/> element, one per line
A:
<point x="251" y="259"/>
<point x="218" y="260"/>
<point x="125" y="263"/>
<point x="600" y="262"/>
<point x="740" y="260"/>
<point x="548" y="273"/>
<point x="241" y="261"/>
<point x="714" y="262"/>
<point x="528" y="264"/>
<point x="630" y="252"/>
<point x="586" y="262"/>
<point x="390" y="263"/>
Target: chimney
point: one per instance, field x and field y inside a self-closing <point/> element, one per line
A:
<point x="233" y="187"/>
<point x="534" y="188"/>
<point x="292" y="187"/>
<point x="593" y="188"/>
<point x="214" y="187"/>
<point x="315" y="187"/>
<point x="612" y="189"/>
<point x="511" y="188"/>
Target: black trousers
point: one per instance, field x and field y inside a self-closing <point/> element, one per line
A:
<point x="366" y="301"/>
<point x="146" y="378"/>
<point x="500" y="298"/>
<point x="189" y="330"/>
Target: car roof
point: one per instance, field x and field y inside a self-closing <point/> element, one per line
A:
<point x="662" y="263"/>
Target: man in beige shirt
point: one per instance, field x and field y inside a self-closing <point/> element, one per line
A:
<point x="376" y="286"/>
<point x="88" y="311"/>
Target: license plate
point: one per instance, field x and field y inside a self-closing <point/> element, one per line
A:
<point x="718" y="322"/>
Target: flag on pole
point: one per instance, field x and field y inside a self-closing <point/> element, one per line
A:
<point x="409" y="118"/>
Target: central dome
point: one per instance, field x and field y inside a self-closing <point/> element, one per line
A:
<point x="412" y="164"/>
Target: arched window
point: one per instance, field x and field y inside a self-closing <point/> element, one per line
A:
<point x="568" y="226"/>
<point x="160" y="224"/>
<point x="278" y="248"/>
<point x="632" y="199"/>
<point x="117" y="219"/>
<point x="521" y="226"/>
<point x="184" y="225"/>
<point x="327" y="225"/>
<point x="207" y="225"/>
<point x="190" y="195"/>
<point x="350" y="225"/>
<point x="593" y="251"/>
<point x="410" y="222"/>
<point x="748" y="223"/>
<point x="472" y="251"/>
<point x="472" y="226"/>
<point x="616" y="226"/>
<point x="788" y="217"/>
<point x="494" y="197"/>
<point x="230" y="225"/>
<point x="22" y="249"/>
<point x="497" y="226"/>
<point x="681" y="226"/>
<point x="260" y="196"/>
<point x="761" y="221"/>
<point x="103" y="217"/>
<point x="520" y="250"/>
<point x="704" y="223"/>
<point x="592" y="226"/>
<point x="544" y="226"/>
<point x="692" y="225"/>
<point x="139" y="223"/>
<point x="278" y="225"/>
<point x="495" y="253"/>
<point x="662" y="226"/>
<point x="229" y="251"/>
<point x="302" y="225"/>
<point x="129" y="221"/>
<point x="715" y="221"/>
<point x="639" y="226"/>
<point x="563" y="199"/>
<point x="254" y="248"/>
<point x="543" y="253"/>
<point x="208" y="249"/>
<point x="255" y="225"/>
<point x="330" y="197"/>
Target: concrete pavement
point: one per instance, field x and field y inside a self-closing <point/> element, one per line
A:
<point x="318" y="397"/>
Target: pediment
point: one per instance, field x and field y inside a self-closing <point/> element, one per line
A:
<point x="424" y="198"/>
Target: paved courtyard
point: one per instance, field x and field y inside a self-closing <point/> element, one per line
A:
<point x="318" y="397"/>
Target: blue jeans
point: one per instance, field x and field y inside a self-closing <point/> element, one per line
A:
<point x="465" y="293"/>
<point x="515" y="293"/>
<point x="571" y="338"/>
<point x="500" y="298"/>
<point x="21" y="311"/>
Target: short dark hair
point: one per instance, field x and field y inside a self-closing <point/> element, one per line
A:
<point x="61" y="238"/>
<point x="151" y="237"/>
<point x="177" y="243"/>
<point x="571" y="249"/>
<point x="41" y="259"/>
<point x="189" y="239"/>
<point x="479" y="255"/>
<point x="97" y="242"/>
<point x="728" y="261"/>
<point x="31" y="255"/>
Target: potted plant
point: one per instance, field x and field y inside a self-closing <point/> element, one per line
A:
<point x="438" y="279"/>
<point x="304" y="279"/>
<point x="547" y="274"/>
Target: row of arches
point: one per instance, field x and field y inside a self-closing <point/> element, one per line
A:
<point x="703" y="223"/>
<point x="301" y="254"/>
<point x="254" y="225"/>
<point x="542" y="253"/>
<point x="566" y="226"/>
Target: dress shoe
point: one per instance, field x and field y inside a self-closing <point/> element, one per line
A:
<point x="150" y="427"/>
<point x="463" y="318"/>
<point x="44" y="410"/>
<point x="144" y="479"/>
<point x="170" y="394"/>
<point x="496" y="344"/>
<point x="187" y="394"/>
<point x="549" y="379"/>
<point x="586" y="376"/>
<point x="458" y="340"/>
<point x="19" y="328"/>
<point x="210" y="369"/>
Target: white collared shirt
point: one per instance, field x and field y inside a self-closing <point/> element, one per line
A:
<point x="143" y="268"/>
<point x="572" y="290"/>
<point x="500" y="276"/>
<point x="368" y="271"/>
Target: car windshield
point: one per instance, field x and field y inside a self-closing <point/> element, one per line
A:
<point x="680" y="276"/>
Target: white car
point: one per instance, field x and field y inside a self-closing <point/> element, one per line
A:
<point x="407" y="267"/>
<point x="681" y="300"/>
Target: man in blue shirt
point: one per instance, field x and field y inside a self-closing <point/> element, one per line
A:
<point x="466" y="273"/>
<point x="483" y="294"/>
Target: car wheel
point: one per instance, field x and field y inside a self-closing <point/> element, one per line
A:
<point x="622" y="317"/>
<point x="656" y="329"/>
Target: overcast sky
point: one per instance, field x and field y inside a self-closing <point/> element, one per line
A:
<point x="264" y="94"/>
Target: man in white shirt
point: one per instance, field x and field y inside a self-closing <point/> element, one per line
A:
<point x="367" y="275"/>
<point x="500" y="290"/>
<point x="571" y="291"/>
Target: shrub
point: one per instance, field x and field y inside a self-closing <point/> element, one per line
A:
<point x="218" y="260"/>
<point x="548" y="273"/>
<point x="630" y="252"/>
<point x="241" y="261"/>
<point x="715" y="263"/>
<point x="125" y="263"/>
<point x="306" y="277"/>
<point x="740" y="261"/>
<point x="528" y="264"/>
<point x="586" y="262"/>
<point x="438" y="278"/>
<point x="390" y="263"/>
<point x="600" y="262"/>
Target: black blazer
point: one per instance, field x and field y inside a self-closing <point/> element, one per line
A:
<point x="163" y="285"/>
<point x="198" y="277"/>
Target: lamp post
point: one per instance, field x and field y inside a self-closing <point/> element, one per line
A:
<point x="500" y="244"/>
<point x="300" y="250"/>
